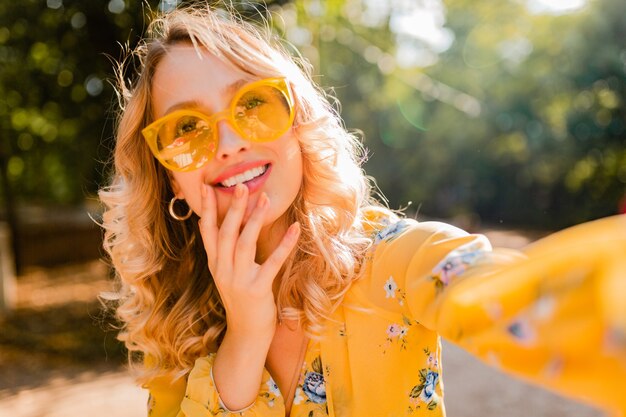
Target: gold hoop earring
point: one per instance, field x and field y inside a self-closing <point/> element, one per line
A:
<point x="173" y="213"/>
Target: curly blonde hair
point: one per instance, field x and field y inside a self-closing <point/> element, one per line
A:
<point x="167" y="301"/>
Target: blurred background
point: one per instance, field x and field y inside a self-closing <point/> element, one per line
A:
<point x="501" y="116"/>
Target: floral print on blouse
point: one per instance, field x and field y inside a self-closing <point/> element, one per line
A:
<point x="310" y="396"/>
<point x="554" y="315"/>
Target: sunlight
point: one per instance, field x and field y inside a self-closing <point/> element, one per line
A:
<point x="420" y="31"/>
<point x="555" y="6"/>
<point x="425" y="24"/>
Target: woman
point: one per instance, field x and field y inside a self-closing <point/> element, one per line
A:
<point x="259" y="277"/>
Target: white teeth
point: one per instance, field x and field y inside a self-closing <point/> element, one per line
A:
<point x="244" y="176"/>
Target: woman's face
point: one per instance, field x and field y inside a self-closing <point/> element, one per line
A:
<point x="192" y="78"/>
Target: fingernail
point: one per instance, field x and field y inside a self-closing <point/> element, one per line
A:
<point x="263" y="200"/>
<point x="204" y="190"/>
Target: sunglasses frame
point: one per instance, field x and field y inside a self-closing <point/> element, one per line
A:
<point x="150" y="132"/>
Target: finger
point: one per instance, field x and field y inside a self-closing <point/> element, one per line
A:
<point x="208" y="223"/>
<point x="246" y="245"/>
<point x="275" y="261"/>
<point x="229" y="230"/>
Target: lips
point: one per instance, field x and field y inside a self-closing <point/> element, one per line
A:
<point x="254" y="184"/>
<point x="245" y="176"/>
<point x="237" y="170"/>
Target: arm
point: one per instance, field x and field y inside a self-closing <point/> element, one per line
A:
<point x="197" y="395"/>
<point x="553" y="315"/>
<point x="233" y="380"/>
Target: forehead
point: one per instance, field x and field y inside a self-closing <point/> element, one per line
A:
<point x="190" y="74"/>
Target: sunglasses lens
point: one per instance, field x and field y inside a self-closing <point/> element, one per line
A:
<point x="262" y="113"/>
<point x="186" y="142"/>
<point x="186" y="139"/>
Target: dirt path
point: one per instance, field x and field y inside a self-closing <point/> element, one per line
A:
<point x="108" y="395"/>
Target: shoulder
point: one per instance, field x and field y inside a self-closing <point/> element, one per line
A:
<point x="382" y="224"/>
<point x="398" y="244"/>
<point x="390" y="231"/>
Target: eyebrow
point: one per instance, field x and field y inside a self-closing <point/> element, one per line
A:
<point x="229" y="90"/>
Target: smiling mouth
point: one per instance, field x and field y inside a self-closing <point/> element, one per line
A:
<point x="244" y="177"/>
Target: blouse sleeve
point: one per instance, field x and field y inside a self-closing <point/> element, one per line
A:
<point x="201" y="398"/>
<point x="554" y="314"/>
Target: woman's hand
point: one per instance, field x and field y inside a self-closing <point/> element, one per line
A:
<point x="246" y="291"/>
<point x="244" y="286"/>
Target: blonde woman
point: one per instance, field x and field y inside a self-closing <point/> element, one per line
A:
<point x="259" y="277"/>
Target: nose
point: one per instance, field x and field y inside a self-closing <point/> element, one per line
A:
<point x="230" y="143"/>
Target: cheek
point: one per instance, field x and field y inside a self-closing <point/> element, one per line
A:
<point x="298" y="172"/>
<point x="188" y="186"/>
<point x="195" y="202"/>
<point x="293" y="156"/>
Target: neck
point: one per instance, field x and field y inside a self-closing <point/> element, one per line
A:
<point x="269" y="239"/>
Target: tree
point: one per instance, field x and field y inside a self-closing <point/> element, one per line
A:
<point x="516" y="119"/>
<point x="512" y="115"/>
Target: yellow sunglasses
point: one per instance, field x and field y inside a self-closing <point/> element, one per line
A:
<point x="184" y="140"/>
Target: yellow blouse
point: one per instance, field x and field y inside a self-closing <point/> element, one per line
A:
<point x="554" y="315"/>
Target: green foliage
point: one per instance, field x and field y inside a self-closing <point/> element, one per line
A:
<point x="519" y="117"/>
<point x="58" y="105"/>
<point x="55" y="120"/>
<point x="520" y="120"/>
